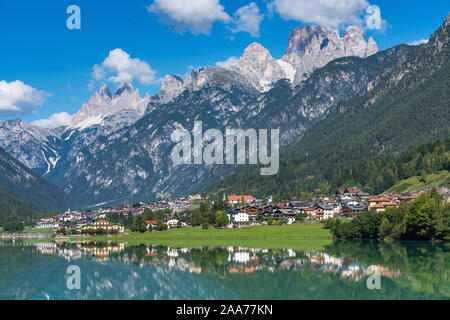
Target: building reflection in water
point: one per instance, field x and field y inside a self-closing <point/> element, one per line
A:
<point x="231" y="260"/>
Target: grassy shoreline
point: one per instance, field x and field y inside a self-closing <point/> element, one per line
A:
<point x="295" y="236"/>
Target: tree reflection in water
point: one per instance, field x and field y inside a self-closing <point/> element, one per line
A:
<point x="409" y="270"/>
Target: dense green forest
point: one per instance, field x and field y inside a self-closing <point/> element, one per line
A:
<point x="12" y="205"/>
<point x="427" y="218"/>
<point x="24" y="183"/>
<point x="16" y="213"/>
<point x="368" y="134"/>
<point x="379" y="173"/>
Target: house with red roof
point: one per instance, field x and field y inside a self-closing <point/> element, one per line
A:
<point x="235" y="199"/>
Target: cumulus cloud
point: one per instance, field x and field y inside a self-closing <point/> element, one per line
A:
<point x="197" y="16"/>
<point x="18" y="98"/>
<point x="227" y="63"/>
<point x="54" y="121"/>
<point x="323" y="12"/>
<point x="418" y="42"/>
<point x="247" y="19"/>
<point x="120" y="67"/>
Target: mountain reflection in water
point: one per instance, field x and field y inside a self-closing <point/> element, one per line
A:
<point x="408" y="270"/>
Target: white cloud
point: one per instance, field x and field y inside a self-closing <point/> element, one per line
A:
<point x="247" y="19"/>
<point x="418" y="42"/>
<point x="120" y="67"/>
<point x="227" y="63"/>
<point x="323" y="12"/>
<point x="54" y="121"/>
<point x="17" y="97"/>
<point x="194" y="15"/>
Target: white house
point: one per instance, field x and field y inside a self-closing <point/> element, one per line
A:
<point x="239" y="217"/>
<point x="328" y="211"/>
<point x="291" y="220"/>
<point x="47" y="225"/>
<point x="172" y="223"/>
<point x="241" y="257"/>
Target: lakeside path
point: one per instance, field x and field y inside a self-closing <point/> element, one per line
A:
<point x="300" y="236"/>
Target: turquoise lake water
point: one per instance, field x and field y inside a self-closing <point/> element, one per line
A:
<point x="341" y="270"/>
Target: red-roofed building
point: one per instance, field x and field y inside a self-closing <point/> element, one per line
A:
<point x="237" y="199"/>
<point x="150" y="224"/>
<point x="380" y="204"/>
<point x="352" y="191"/>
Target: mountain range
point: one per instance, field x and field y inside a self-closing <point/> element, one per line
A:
<point x="117" y="147"/>
<point x="360" y="140"/>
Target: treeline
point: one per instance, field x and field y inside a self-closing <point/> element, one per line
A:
<point x="139" y="225"/>
<point x="12" y="224"/>
<point x="136" y="223"/>
<point x="426" y="218"/>
<point x="210" y="214"/>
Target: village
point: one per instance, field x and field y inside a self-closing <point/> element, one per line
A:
<point x="241" y="210"/>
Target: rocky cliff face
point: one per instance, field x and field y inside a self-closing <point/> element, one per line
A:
<point x="103" y="104"/>
<point x="171" y="87"/>
<point x="309" y="48"/>
<point x="37" y="148"/>
<point x="260" y="69"/>
<point x="42" y="149"/>
<point x="312" y="47"/>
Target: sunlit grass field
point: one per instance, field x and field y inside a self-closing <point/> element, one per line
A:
<point x="300" y="236"/>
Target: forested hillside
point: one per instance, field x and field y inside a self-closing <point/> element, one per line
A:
<point x="12" y="205"/>
<point x="21" y="186"/>
<point x="379" y="173"/>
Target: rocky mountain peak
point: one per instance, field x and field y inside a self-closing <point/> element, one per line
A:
<point x="354" y="40"/>
<point x="312" y="47"/>
<point x="171" y="83"/>
<point x="103" y="104"/>
<point x="15" y="122"/>
<point x="124" y="87"/>
<point x="352" y="31"/>
<point x="372" y="47"/>
<point x="105" y="92"/>
<point x="255" y="48"/>
<point x="302" y="38"/>
<point x="171" y="87"/>
<point x="259" y="67"/>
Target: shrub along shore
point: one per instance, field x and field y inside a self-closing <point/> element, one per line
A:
<point x="426" y="219"/>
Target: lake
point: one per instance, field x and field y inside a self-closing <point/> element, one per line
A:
<point x="340" y="270"/>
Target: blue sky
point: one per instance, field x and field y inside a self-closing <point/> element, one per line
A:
<point x="55" y="65"/>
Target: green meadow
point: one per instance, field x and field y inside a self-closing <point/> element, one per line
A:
<point x="300" y="236"/>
